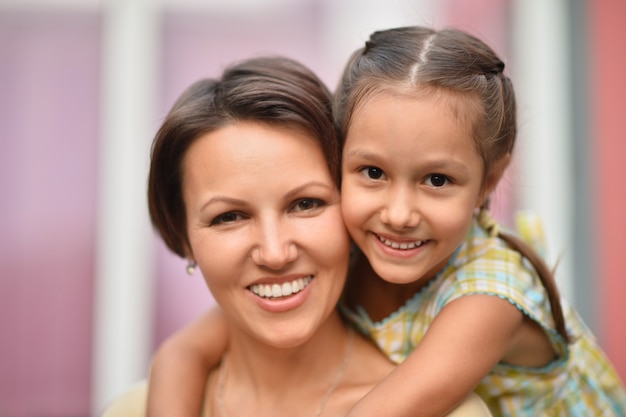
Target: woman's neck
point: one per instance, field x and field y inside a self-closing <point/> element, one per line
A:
<point x="275" y="381"/>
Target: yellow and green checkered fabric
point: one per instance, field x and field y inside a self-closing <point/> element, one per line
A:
<point x="580" y="382"/>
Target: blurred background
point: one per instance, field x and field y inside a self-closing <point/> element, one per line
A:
<point x="87" y="291"/>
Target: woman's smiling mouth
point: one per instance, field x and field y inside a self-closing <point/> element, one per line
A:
<point x="280" y="290"/>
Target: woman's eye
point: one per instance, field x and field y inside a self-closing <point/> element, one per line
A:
<point x="225" y="218"/>
<point x="437" y="180"/>
<point x="307" y="204"/>
<point x="373" y="173"/>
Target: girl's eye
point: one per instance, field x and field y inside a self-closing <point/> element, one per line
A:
<point x="307" y="204"/>
<point x="437" y="180"/>
<point x="373" y="173"/>
<point x="226" y="218"/>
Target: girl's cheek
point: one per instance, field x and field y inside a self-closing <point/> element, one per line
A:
<point x="347" y="199"/>
<point x="353" y="213"/>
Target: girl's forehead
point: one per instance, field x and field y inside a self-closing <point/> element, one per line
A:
<point x="465" y="107"/>
<point x="419" y="91"/>
<point x="425" y="125"/>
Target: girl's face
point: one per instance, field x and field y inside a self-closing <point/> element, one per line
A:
<point x="412" y="178"/>
<point x="265" y="228"/>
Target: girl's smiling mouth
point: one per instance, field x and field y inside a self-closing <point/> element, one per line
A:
<point x="404" y="245"/>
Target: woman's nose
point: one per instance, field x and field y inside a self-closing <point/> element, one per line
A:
<point x="276" y="247"/>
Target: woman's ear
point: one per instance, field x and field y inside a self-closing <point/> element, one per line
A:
<point x="493" y="177"/>
<point x="191" y="267"/>
<point x="191" y="259"/>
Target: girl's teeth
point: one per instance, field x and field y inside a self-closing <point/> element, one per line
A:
<point x="278" y="290"/>
<point x="403" y="246"/>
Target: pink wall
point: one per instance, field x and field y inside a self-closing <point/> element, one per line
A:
<point x="49" y="80"/>
<point x="608" y="77"/>
<point x="489" y="20"/>
<point x="48" y="135"/>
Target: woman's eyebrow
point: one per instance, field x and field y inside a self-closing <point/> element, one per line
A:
<point x="238" y="202"/>
<point x="221" y="199"/>
<point x="309" y="184"/>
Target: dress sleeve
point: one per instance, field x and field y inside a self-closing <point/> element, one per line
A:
<point x="503" y="272"/>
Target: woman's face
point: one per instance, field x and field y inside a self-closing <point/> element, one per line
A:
<point x="265" y="227"/>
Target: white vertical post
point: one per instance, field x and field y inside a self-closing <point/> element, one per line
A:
<point x="541" y="78"/>
<point x="349" y="24"/>
<point x="123" y="293"/>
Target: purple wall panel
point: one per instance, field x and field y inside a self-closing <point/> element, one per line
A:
<point x="488" y="19"/>
<point x="48" y="136"/>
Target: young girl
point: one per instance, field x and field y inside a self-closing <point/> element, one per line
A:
<point x="428" y="120"/>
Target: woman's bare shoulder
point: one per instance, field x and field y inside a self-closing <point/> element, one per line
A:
<point x="472" y="406"/>
<point x="369" y="364"/>
<point x="132" y="403"/>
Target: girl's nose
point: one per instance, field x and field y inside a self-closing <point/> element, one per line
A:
<point x="400" y="211"/>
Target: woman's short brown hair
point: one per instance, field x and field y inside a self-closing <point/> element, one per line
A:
<point x="273" y="90"/>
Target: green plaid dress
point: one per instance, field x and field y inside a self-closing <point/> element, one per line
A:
<point x="579" y="382"/>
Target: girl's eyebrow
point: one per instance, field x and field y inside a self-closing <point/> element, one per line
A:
<point x="437" y="164"/>
<point x="448" y="164"/>
<point x="362" y="153"/>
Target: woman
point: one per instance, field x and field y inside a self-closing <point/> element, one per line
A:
<point x="244" y="183"/>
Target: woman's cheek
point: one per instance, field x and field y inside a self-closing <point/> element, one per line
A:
<point x="333" y="220"/>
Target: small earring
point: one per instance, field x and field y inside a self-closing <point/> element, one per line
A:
<point x="191" y="267"/>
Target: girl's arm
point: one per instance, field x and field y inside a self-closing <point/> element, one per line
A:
<point x="181" y="366"/>
<point x="465" y="341"/>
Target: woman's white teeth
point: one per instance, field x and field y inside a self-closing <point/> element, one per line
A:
<point x="404" y="245"/>
<point x="280" y="290"/>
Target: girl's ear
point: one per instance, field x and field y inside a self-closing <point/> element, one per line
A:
<point x="493" y="178"/>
